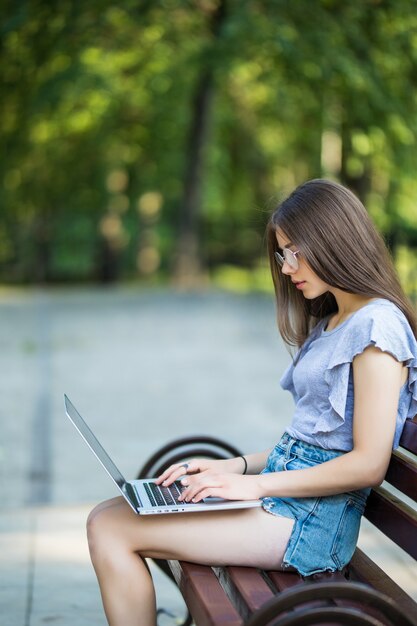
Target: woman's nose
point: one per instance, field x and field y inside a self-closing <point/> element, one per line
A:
<point x="287" y="269"/>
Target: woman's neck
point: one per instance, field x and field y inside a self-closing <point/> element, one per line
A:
<point x="347" y="304"/>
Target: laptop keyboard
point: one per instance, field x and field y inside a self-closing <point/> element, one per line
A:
<point x="162" y="496"/>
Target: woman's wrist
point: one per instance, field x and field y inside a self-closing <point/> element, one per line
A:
<point x="238" y="465"/>
<point x="245" y="464"/>
<point x="248" y="464"/>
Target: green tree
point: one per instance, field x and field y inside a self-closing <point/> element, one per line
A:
<point x="153" y="137"/>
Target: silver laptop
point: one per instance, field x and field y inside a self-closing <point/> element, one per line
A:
<point x="145" y="497"/>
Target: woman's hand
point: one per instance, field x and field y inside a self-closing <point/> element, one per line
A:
<point x="228" y="486"/>
<point x="197" y="466"/>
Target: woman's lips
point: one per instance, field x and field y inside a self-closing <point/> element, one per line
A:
<point x="299" y="284"/>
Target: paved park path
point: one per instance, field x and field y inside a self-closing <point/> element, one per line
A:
<point x="142" y="367"/>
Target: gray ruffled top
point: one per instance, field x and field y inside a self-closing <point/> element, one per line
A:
<point x="321" y="381"/>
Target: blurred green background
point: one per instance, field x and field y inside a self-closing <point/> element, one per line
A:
<point x="149" y="140"/>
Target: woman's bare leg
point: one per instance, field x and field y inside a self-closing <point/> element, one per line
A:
<point x="123" y="576"/>
<point x="119" y="541"/>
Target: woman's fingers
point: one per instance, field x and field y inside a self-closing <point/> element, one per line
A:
<point x="195" y="489"/>
<point x="175" y="471"/>
<point x="193" y="467"/>
<point x="228" y="486"/>
<point x="205" y="493"/>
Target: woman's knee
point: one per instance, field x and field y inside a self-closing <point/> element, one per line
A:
<point x="100" y="526"/>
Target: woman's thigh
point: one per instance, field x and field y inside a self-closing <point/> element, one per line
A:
<point x="241" y="537"/>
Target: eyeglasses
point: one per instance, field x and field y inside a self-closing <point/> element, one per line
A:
<point x="287" y="256"/>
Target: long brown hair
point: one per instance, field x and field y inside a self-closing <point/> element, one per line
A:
<point x="335" y="235"/>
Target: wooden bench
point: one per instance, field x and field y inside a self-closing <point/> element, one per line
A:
<point x="363" y="594"/>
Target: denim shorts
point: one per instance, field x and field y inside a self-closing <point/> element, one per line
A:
<point x="326" y="528"/>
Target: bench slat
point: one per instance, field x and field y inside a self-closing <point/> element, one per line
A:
<point x="402" y="474"/>
<point x="409" y="435"/>
<point x="245" y="587"/>
<point x="394" y="518"/>
<point x="363" y="569"/>
<point x="284" y="580"/>
<point x="203" y="595"/>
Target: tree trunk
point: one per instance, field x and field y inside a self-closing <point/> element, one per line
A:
<point x="188" y="264"/>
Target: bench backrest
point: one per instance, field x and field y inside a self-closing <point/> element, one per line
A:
<point x="394" y="511"/>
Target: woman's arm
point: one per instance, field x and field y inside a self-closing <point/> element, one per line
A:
<point x="377" y="381"/>
<point x="377" y="378"/>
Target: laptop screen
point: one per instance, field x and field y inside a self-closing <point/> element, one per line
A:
<point x="93" y="443"/>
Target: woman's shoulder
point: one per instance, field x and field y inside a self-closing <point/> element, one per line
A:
<point x="380" y="323"/>
<point x="381" y="316"/>
<point x="381" y="308"/>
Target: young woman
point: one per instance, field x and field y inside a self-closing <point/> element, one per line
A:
<point x="354" y="382"/>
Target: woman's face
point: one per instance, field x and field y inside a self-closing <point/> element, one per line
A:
<point x="303" y="277"/>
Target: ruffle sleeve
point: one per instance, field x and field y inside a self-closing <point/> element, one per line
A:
<point x="386" y="328"/>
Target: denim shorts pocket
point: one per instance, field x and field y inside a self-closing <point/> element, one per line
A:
<point x="295" y="462"/>
<point x="359" y="499"/>
<point x="347" y="533"/>
<point x="274" y="462"/>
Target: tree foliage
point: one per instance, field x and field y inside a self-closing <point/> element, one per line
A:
<point x="103" y="124"/>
